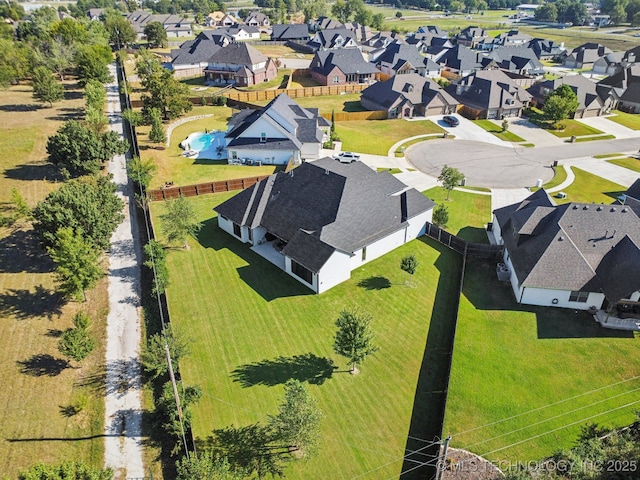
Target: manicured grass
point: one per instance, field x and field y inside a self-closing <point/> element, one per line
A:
<point x="574" y="36"/>
<point x="598" y="137"/>
<point x="400" y="153"/>
<point x="173" y="167"/>
<point x="491" y="19"/>
<point x="392" y="171"/>
<point x="240" y="310"/>
<point x="559" y="176"/>
<point x="629" y="162"/>
<point x="491" y="127"/>
<point x="37" y="386"/>
<point x="608" y="155"/>
<point x="521" y="372"/>
<point x="574" y="127"/>
<point x="468" y="212"/>
<point x="328" y="103"/>
<point x="589" y="188"/>
<point x="528" y="145"/>
<point x="280" y="51"/>
<point x="628" y="120"/>
<point x="378" y="136"/>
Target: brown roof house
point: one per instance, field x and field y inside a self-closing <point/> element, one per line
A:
<point x="239" y="64"/>
<point x="408" y="96"/>
<point x="489" y="94"/>
<point x="577" y="255"/>
<point x="341" y="66"/>
<point x="324" y="219"/>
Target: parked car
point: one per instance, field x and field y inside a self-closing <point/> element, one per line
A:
<point x="347" y="157"/>
<point x="451" y="120"/>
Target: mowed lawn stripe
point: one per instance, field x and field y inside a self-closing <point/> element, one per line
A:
<point x="248" y="311"/>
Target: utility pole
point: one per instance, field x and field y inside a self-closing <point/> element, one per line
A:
<point x="443" y="457"/>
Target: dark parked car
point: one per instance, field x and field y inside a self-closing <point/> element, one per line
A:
<point x="451" y="120"/>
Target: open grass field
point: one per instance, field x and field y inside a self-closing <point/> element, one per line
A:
<point x="468" y="212"/>
<point x="589" y="188"/>
<point x="628" y="120"/>
<point x="491" y="19"/>
<point x="525" y="379"/>
<point x="38" y="387"/>
<point x="378" y="136"/>
<point x="173" y="167"/>
<point x="254" y="327"/>
<point x="629" y="162"/>
<point x="491" y="127"/>
<point x="349" y="102"/>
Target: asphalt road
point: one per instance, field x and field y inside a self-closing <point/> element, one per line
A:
<point x="487" y="165"/>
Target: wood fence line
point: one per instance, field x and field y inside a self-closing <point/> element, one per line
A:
<point x="354" y="116"/>
<point x="259" y="95"/>
<point x="171" y="192"/>
<point x="459" y="245"/>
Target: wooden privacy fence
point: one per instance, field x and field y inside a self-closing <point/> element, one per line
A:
<point x="457" y="244"/>
<point x="353" y="116"/>
<point x="170" y="192"/>
<point x="259" y="95"/>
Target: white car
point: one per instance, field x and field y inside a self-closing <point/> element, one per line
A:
<point x="347" y="157"/>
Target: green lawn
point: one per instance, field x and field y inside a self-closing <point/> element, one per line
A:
<point x="574" y="127"/>
<point x="468" y="212"/>
<point x="328" y="103"/>
<point x="628" y="120"/>
<point x="241" y="310"/>
<point x="491" y="127"/>
<point x="589" y="188"/>
<point x="180" y="170"/>
<point x="392" y="171"/>
<point x="597" y="137"/>
<point x="608" y="155"/>
<point x="521" y="372"/>
<point x="378" y="136"/>
<point x="559" y="176"/>
<point x="400" y="151"/>
<point x="629" y="162"/>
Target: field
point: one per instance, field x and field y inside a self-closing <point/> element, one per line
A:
<point x="38" y="388"/>
<point x="253" y="327"/>
<point x="349" y="102"/>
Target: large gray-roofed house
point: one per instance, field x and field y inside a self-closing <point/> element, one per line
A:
<point x="575" y="255"/>
<point x="239" y="64"/>
<point x="399" y="59"/>
<point x="239" y="33"/>
<point x="591" y="104"/>
<point x="341" y="66"/>
<point x="460" y="60"/>
<point x="332" y="39"/>
<point x="277" y="133"/>
<point x="585" y="55"/>
<point x="546" y="49"/>
<point x="174" y="25"/>
<point x="489" y="94"/>
<point x="520" y="60"/>
<point x="286" y="32"/>
<point x="624" y="88"/>
<point x="194" y="54"/>
<point x="408" y="96"/>
<point x="324" y="219"/>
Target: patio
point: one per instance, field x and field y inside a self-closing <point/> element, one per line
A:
<point x="268" y="251"/>
<point x="608" y="320"/>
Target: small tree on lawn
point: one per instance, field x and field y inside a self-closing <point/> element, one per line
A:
<point x="560" y="104"/>
<point x="450" y="178"/>
<point x="505" y="125"/>
<point x="298" y="420"/>
<point x="409" y="264"/>
<point x="156" y="261"/>
<point x="354" y="339"/>
<point x="77" y="262"/>
<point x="156" y="134"/>
<point x="46" y="88"/>
<point x="141" y="171"/>
<point x="440" y="215"/>
<point x="154" y="354"/>
<point x="76" y="343"/>
<point x="179" y="221"/>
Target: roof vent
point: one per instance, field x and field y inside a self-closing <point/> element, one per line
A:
<point x="586" y="207"/>
<point x="560" y="239"/>
<point x="575" y="207"/>
<point x="625" y="210"/>
<point x="599" y="209"/>
<point x="326" y="171"/>
<point x="613" y="209"/>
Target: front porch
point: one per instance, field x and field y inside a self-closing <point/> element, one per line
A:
<point x="609" y="320"/>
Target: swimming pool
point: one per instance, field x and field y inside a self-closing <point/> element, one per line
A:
<point x="208" y="145"/>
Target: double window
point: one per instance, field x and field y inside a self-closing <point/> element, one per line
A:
<point x="579" y="297"/>
<point x="302" y="272"/>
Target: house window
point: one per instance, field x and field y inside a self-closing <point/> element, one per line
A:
<point x="364" y="253"/>
<point x="250" y="235"/>
<point x="579" y="297"/>
<point x="236" y="230"/>
<point x="302" y="272"/>
<point x="234" y="154"/>
<point x="263" y="137"/>
<point x="336" y="79"/>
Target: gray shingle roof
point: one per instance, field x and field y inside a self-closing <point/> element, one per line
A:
<point x="238" y="54"/>
<point x="575" y="246"/>
<point x="196" y="51"/>
<point x="489" y="89"/>
<point x="290" y="32"/>
<point x="585" y="89"/>
<point x="461" y="58"/>
<point x="348" y="60"/>
<point x="342" y="206"/>
<point x="415" y="88"/>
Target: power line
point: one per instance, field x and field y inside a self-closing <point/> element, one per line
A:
<point x="553" y="418"/>
<point x="425" y="464"/>
<point x="545" y="406"/>
<point x="560" y="428"/>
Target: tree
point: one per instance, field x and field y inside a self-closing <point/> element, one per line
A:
<point x="134" y="117"/>
<point x="76" y="343"/>
<point x="69" y="31"/>
<point x="77" y="262"/>
<point x="156" y="261"/>
<point x="95" y="120"/>
<point x="377" y="21"/>
<point x="154" y="355"/>
<point x="121" y="32"/>
<point x="156" y="35"/>
<point x="631" y="9"/>
<point x="560" y="104"/>
<point x="450" y="178"/>
<point x="141" y="171"/>
<point x="440" y="215"/>
<point x="45" y="87"/>
<point x="179" y="221"/>
<point x="354" y="339"/>
<point x="167" y="414"/>
<point x="635" y="22"/>
<point x="505" y="125"/>
<point x="14" y="62"/>
<point x="92" y="63"/>
<point x="205" y="466"/>
<point x="547" y="12"/>
<point x="409" y="264"/>
<point x="298" y="420"/>
<point x="69" y="470"/>
<point x="95" y="95"/>
<point x="156" y="134"/>
<point x="88" y="204"/>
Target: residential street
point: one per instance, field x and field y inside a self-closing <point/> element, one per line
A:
<point x="123" y="406"/>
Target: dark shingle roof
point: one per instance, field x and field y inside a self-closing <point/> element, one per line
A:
<point x="334" y="205"/>
<point x="238" y="54"/>
<point x="289" y="32"/>
<point x="196" y="51"/>
<point x="348" y="60"/>
<point x="461" y="58"/>
<point x="415" y="88"/>
<point x="489" y="89"/>
<point x="634" y="190"/>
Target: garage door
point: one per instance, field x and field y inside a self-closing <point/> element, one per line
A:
<point x="434" y="111"/>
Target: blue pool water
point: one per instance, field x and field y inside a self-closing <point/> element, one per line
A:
<point x="201" y="141"/>
<point x="208" y="145"/>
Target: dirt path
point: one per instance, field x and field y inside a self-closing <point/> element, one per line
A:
<point x="123" y="405"/>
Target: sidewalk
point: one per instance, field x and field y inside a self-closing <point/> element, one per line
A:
<point x="123" y="404"/>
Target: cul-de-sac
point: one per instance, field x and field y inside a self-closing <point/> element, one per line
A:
<point x="320" y="240"/>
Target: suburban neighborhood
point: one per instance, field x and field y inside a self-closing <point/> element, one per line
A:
<point x="315" y="240"/>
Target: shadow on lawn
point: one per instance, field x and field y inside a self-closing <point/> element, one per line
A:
<point x="34" y="171"/>
<point x="20" y="251"/>
<point x="261" y="275"/>
<point x="429" y="402"/>
<point x="41" y="365"/>
<point x="485" y="292"/>
<point x="374" y="283"/>
<point x="24" y="304"/>
<point x="305" y="368"/>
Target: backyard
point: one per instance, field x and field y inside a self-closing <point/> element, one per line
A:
<point x="274" y="329"/>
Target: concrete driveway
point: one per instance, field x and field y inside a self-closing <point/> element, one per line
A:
<point x="532" y="133"/>
<point x="607" y="126"/>
<point x="467" y="130"/>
